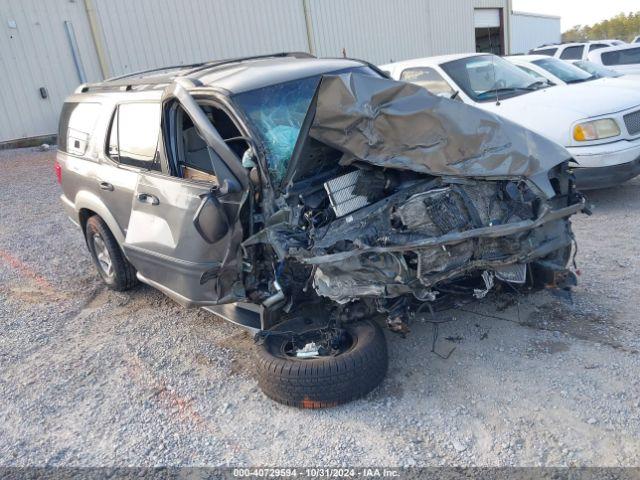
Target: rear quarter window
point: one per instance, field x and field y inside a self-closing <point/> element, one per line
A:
<point x="77" y="123"/>
<point x="597" y="46"/>
<point x="621" y="57"/>
<point x="547" y="51"/>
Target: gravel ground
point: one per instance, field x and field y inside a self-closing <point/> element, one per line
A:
<point x="89" y="377"/>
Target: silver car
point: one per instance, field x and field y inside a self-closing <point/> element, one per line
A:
<point x="305" y="198"/>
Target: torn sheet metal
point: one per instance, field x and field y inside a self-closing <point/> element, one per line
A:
<point x="400" y="125"/>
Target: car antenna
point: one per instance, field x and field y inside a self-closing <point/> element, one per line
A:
<point x="493" y="66"/>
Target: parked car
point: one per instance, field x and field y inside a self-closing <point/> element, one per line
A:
<point x="551" y="69"/>
<point x="623" y="59"/>
<point x="601" y="71"/>
<point x="574" y="51"/>
<point x="600" y="127"/>
<point x="318" y="193"/>
<point x="562" y="72"/>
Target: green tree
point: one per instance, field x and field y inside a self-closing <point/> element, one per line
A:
<point x="622" y="26"/>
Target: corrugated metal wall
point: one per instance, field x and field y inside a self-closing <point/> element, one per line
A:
<point x="376" y="30"/>
<point x="144" y="34"/>
<point x="141" y="34"/>
<point x="529" y="31"/>
<point x="34" y="53"/>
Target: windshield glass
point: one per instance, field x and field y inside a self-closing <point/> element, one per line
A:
<point x="277" y="112"/>
<point x="563" y="70"/>
<point x="597" y="70"/>
<point x="483" y="76"/>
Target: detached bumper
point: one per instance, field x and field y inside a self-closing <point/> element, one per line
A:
<point x="589" y="178"/>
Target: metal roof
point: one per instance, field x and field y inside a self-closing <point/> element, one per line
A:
<point x="234" y="75"/>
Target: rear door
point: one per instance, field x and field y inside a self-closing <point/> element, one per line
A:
<point x="184" y="235"/>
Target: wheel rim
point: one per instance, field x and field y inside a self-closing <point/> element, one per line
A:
<point x="288" y="348"/>
<point x="102" y="255"/>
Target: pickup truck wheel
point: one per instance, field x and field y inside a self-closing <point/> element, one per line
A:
<point x="113" y="267"/>
<point x="347" y="363"/>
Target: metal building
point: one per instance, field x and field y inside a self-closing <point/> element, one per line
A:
<point x="49" y="47"/>
<point x="530" y="30"/>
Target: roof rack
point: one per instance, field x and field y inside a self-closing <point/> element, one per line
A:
<point x="121" y="83"/>
<point x="152" y="70"/>
<point x="218" y="63"/>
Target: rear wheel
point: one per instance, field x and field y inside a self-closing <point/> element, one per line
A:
<point x="113" y="267"/>
<point x="319" y="367"/>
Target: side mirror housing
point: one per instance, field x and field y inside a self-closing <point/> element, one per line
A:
<point x="210" y="220"/>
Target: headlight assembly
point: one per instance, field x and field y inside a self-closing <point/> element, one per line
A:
<point x="596" y="130"/>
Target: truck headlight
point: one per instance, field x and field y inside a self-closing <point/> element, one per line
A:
<point x="596" y="130"/>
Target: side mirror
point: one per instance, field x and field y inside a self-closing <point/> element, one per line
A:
<point x="210" y="220"/>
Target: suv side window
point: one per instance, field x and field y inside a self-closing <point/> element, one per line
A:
<point x="547" y="51"/>
<point x="194" y="159"/>
<point x="596" y="46"/>
<point x="621" y="57"/>
<point x="428" y="78"/>
<point x="134" y="134"/>
<point x="572" y="53"/>
<point x="77" y="122"/>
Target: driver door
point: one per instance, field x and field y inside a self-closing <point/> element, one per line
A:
<point x="184" y="235"/>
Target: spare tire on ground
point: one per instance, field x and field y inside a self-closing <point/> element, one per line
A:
<point x="307" y="365"/>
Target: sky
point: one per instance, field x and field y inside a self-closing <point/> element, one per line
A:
<point x="577" y="12"/>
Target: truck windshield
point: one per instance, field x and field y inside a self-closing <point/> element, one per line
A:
<point x="597" y="70"/>
<point x="483" y="77"/>
<point x="564" y="71"/>
<point x="277" y="112"/>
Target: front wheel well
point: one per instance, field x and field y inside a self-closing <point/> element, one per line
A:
<point x="84" y="215"/>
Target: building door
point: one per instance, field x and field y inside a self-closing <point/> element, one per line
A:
<point x="489" y="27"/>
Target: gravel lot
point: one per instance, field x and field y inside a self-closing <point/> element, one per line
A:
<point x="89" y="377"/>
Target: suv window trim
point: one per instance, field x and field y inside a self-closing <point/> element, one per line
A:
<point x="202" y="99"/>
<point x="107" y="139"/>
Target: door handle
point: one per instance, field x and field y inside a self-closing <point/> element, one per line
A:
<point x="148" y="198"/>
<point x="106" y="186"/>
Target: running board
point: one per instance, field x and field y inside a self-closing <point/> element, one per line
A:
<point x="247" y="315"/>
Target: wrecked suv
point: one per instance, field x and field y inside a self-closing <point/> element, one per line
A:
<point x="306" y="199"/>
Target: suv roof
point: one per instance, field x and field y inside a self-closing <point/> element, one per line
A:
<point x="235" y="75"/>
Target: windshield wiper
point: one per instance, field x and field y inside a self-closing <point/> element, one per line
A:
<point x="493" y="91"/>
<point x="580" y="80"/>
<point x="537" y="83"/>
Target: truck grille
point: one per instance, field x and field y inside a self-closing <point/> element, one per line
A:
<point x="632" y="121"/>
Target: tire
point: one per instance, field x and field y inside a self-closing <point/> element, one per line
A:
<point x="323" y="381"/>
<point x="119" y="275"/>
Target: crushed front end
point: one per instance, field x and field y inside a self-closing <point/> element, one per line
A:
<point x="397" y="197"/>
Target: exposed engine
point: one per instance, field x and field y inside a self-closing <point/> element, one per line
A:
<point x="373" y="235"/>
<point x="394" y="197"/>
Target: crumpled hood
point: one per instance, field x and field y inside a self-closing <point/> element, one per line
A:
<point x="400" y="125"/>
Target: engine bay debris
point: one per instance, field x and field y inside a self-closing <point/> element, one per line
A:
<point x="394" y="197"/>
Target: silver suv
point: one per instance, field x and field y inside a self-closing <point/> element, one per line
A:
<point x="305" y="198"/>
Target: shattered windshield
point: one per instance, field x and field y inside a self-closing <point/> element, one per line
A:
<point x="277" y="112"/>
<point x="482" y="77"/>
